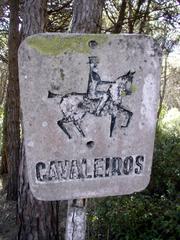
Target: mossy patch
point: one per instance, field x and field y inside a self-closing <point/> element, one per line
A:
<point x="133" y="88"/>
<point x="56" y="45"/>
<point x="123" y="93"/>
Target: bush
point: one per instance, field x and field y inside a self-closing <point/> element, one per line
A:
<point x="153" y="214"/>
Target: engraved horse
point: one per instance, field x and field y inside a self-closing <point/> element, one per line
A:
<point x="74" y="106"/>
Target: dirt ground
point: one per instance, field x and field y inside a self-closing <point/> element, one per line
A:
<point x="8" y="227"/>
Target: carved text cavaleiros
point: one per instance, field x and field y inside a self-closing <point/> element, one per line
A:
<point x="58" y="170"/>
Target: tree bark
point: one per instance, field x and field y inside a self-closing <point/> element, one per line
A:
<point x="119" y="24"/>
<point x="133" y="14"/>
<point x="34" y="17"/>
<point x="38" y="220"/>
<point x="162" y="93"/>
<point x="4" y="167"/>
<point x="12" y="124"/>
<point x="130" y="17"/>
<point x="143" y="21"/>
<point x="87" y="16"/>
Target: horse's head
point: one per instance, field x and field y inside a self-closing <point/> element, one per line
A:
<point x="125" y="82"/>
<point x="128" y="84"/>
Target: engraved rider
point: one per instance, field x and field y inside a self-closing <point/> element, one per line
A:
<point x="94" y="81"/>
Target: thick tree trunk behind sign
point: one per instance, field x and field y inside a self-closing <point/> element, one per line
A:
<point x="87" y="17"/>
<point x="38" y="220"/>
<point x="12" y="104"/>
<point x="119" y="24"/>
<point x="34" y="17"/>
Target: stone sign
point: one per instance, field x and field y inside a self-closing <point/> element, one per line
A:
<point x="89" y="106"/>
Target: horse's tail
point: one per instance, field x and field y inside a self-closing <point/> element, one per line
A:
<point x="53" y="95"/>
<point x="57" y="98"/>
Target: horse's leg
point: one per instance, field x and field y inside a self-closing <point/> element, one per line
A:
<point x="78" y="126"/>
<point x="129" y="116"/>
<point x="113" y="121"/>
<point x="60" y="124"/>
<point x="102" y="103"/>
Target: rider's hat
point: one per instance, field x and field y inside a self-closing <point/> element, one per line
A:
<point x="93" y="59"/>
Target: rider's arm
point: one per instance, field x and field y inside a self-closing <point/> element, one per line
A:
<point x="106" y="82"/>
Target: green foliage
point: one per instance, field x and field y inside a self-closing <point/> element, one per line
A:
<point x="166" y="170"/>
<point x="59" y="15"/>
<point x="153" y="214"/>
<point x="140" y="217"/>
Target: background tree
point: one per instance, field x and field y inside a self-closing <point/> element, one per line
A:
<point x="87" y="16"/>
<point x="38" y="220"/>
<point x="171" y="96"/>
<point x="3" y="118"/>
<point x="142" y="16"/>
<point x="167" y="44"/>
<point x="59" y="15"/>
<point x="12" y="102"/>
<point x="4" y="25"/>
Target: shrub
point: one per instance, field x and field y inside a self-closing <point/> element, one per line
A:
<point x="153" y="214"/>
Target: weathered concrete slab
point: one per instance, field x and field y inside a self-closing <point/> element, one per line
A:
<point x="89" y="106"/>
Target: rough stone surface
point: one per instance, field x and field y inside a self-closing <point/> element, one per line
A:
<point x="89" y="106"/>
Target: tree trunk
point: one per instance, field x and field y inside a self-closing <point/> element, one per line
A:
<point x="4" y="167"/>
<point x="38" y="219"/>
<point x="34" y="17"/>
<point x="162" y="93"/>
<point x="119" y="24"/>
<point x="86" y="19"/>
<point x="12" y="124"/>
<point x="87" y="16"/>
<point x="130" y="17"/>
<point x="3" y="89"/>
<point x="143" y="21"/>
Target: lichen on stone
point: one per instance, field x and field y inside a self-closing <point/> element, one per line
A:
<point x="54" y="45"/>
<point x="133" y="88"/>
